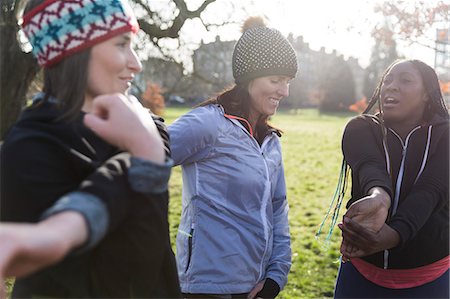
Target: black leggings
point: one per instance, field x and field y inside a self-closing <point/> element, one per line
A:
<point x="215" y="296"/>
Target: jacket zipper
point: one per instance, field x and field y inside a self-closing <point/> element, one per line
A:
<point x="398" y="184"/>
<point x="191" y="235"/>
<point x="263" y="209"/>
<point x="261" y="150"/>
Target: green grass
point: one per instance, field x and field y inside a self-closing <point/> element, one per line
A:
<point x="312" y="158"/>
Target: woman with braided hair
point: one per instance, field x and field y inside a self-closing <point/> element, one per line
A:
<point x="396" y="230"/>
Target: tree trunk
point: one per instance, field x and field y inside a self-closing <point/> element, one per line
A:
<point x="17" y="70"/>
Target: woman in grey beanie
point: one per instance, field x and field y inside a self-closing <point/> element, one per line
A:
<point x="233" y="239"/>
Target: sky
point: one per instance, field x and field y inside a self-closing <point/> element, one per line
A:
<point x="343" y="25"/>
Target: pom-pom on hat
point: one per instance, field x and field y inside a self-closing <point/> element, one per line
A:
<point x="262" y="51"/>
<point x="59" y="28"/>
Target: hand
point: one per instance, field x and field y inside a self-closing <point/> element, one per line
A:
<point x="365" y="242"/>
<point x="256" y="290"/>
<point x="27" y="248"/>
<point x="371" y="211"/>
<point x="125" y="123"/>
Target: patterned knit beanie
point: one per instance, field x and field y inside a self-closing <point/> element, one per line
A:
<point x="262" y="51"/>
<point x="59" y="28"/>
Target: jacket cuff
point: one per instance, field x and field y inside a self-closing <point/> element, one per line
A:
<point x="269" y="290"/>
<point x="145" y="176"/>
<point x="403" y="230"/>
<point x="365" y="191"/>
<point x="378" y="183"/>
<point x="91" y="208"/>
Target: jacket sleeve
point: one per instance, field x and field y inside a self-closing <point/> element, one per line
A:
<point x="92" y="198"/>
<point x="280" y="261"/>
<point x="364" y="155"/>
<point x="162" y="130"/>
<point x="192" y="136"/>
<point x="429" y="194"/>
<point x="102" y="197"/>
<point x="35" y="173"/>
<point x="89" y="199"/>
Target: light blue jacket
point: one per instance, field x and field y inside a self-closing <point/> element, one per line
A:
<point x="234" y="229"/>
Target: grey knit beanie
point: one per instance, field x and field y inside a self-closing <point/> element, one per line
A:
<point x="262" y="51"/>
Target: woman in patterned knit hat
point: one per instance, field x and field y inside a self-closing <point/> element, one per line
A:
<point x="233" y="239"/>
<point x="98" y="204"/>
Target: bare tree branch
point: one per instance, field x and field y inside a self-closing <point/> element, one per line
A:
<point x="172" y="31"/>
<point x="145" y="7"/>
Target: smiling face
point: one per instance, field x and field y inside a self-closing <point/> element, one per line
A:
<point x="266" y="94"/>
<point x="112" y="66"/>
<point x="403" y="96"/>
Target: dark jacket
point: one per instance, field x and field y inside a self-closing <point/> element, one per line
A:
<point x="418" y="185"/>
<point x="43" y="159"/>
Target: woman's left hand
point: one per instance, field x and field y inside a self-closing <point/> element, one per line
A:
<point x="27" y="248"/>
<point x="365" y="242"/>
<point x="125" y="123"/>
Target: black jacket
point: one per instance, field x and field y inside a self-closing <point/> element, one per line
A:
<point x="421" y="185"/>
<point x="43" y="159"/>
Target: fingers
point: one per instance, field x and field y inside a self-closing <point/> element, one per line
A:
<point x="354" y="227"/>
<point x="349" y="251"/>
<point x="357" y="253"/>
<point x="97" y="120"/>
<point x="252" y="294"/>
<point x="125" y="123"/>
<point x="358" y="236"/>
<point x="346" y="249"/>
<point x="95" y="123"/>
<point x="345" y="246"/>
<point x="256" y="290"/>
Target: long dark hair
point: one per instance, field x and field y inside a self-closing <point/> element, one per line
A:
<point x="67" y="80"/>
<point x="436" y="106"/>
<point x="235" y="100"/>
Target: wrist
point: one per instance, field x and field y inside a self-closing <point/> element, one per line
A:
<point x="382" y="195"/>
<point x="393" y="238"/>
<point x="66" y="231"/>
<point x="148" y="148"/>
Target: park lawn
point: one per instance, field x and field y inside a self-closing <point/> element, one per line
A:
<point x="312" y="159"/>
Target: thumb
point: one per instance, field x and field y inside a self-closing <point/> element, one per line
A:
<point x="353" y="210"/>
<point x="350" y="213"/>
<point x="95" y="123"/>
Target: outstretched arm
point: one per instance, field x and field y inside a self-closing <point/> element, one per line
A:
<point x="364" y="154"/>
<point x="27" y="248"/>
<point x="30" y="247"/>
